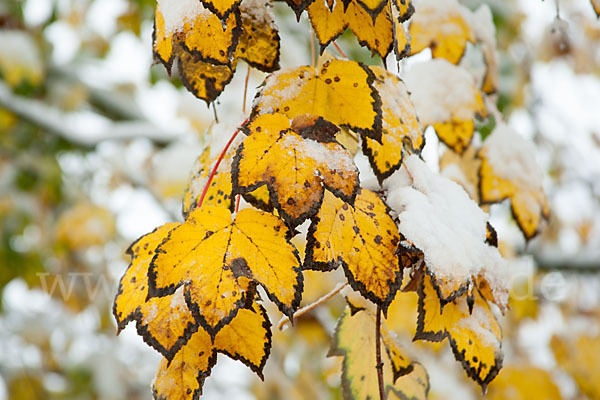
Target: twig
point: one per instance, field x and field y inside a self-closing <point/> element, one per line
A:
<point x="245" y="90"/>
<point x="339" y="49"/>
<point x="311" y="306"/>
<point x="214" y="170"/>
<point x="215" y="112"/>
<point x="379" y="365"/>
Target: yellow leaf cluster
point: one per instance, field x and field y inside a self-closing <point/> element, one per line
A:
<point x="209" y="45"/>
<point x="377" y="24"/>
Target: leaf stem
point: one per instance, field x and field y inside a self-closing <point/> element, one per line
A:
<point x="246" y="90"/>
<point x="311" y="306"/>
<point x="379" y="365"/>
<point x="339" y="49"/>
<point x="214" y="170"/>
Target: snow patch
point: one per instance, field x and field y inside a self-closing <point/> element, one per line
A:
<point x="176" y="13"/>
<point x="441" y="91"/>
<point x="439" y="218"/>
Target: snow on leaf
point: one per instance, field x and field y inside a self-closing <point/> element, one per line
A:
<point x="339" y="91"/>
<point x="438" y="217"/>
<point x="443" y="26"/>
<point x="247" y="338"/>
<point x="329" y="23"/>
<point x="446" y="98"/>
<point x="219" y="191"/>
<point x="401" y="129"/>
<point x="363" y="238"/>
<point x="222" y="8"/>
<point x="295" y="162"/>
<point x="508" y="170"/>
<point x="355" y="340"/>
<point x="220" y="260"/>
<point x="474" y="336"/>
<point x="463" y="169"/>
<point x="133" y="286"/>
<point x="485" y="31"/>
<point x="259" y="42"/>
<point x="182" y="377"/>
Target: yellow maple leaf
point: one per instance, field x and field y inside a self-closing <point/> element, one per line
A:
<point x="222" y="8"/>
<point x="444" y="29"/>
<point x="219" y="260"/>
<point x="133" y="285"/>
<point x="355" y="340"/>
<point x="298" y="6"/>
<point x="339" y="91"/>
<point x="259" y="42"/>
<point x="246" y="338"/>
<point x="165" y="323"/>
<point x="363" y="238"/>
<point x="401" y="129"/>
<point x="508" y="171"/>
<point x="475" y="336"/>
<point x="373" y="31"/>
<point x="294" y="163"/>
<point x="401" y="37"/>
<point x="523" y="382"/>
<point x="463" y="169"/>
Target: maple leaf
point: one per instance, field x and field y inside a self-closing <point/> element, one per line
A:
<point x="363" y="238"/>
<point x="463" y="169"/>
<point x="508" y="171"/>
<point x="439" y="104"/>
<point x="259" y="42"/>
<point x="298" y="6"/>
<point x="373" y="31"/>
<point x="339" y="91"/>
<point x="355" y="340"/>
<point x="401" y="130"/>
<point x="220" y="260"/>
<point x="246" y="338"/>
<point x="401" y="38"/>
<point x="165" y="323"/>
<point x="474" y="336"/>
<point x="295" y="162"/>
<point x="441" y="27"/>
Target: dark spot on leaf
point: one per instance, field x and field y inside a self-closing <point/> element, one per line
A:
<point x="356" y="230"/>
<point x="342" y="218"/>
<point x="377" y="239"/>
<point x="239" y="268"/>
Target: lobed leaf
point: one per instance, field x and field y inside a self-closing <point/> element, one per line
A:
<point x="340" y="91"/>
<point x="363" y="238"/>
<point x="220" y="260"/>
<point x="295" y="165"/>
<point x="475" y="337"/>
